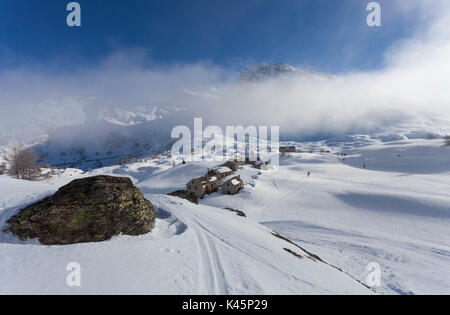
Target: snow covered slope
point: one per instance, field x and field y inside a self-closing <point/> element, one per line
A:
<point x="395" y="213"/>
<point x="192" y="250"/>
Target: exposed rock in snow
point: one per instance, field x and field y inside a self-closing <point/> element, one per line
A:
<point x="86" y="210"/>
<point x="269" y="71"/>
<point x="185" y="195"/>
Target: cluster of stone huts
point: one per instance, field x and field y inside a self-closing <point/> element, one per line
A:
<point x="215" y="178"/>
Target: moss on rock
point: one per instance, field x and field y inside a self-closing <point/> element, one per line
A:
<point x="90" y="209"/>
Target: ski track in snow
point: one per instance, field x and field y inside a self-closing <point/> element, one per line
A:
<point x="213" y="275"/>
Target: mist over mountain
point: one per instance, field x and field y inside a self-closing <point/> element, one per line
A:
<point x="131" y="117"/>
<point x="87" y="132"/>
<point x="140" y="103"/>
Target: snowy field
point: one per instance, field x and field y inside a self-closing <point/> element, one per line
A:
<point x="395" y="212"/>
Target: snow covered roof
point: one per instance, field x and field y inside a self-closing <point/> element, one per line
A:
<point x="235" y="182"/>
<point x="213" y="179"/>
<point x="199" y="180"/>
<point x="225" y="179"/>
<point x="224" y="169"/>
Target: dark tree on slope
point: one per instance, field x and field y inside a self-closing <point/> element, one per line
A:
<point x="2" y="169"/>
<point x="22" y="163"/>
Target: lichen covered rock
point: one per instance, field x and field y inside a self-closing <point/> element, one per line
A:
<point x="90" y="209"/>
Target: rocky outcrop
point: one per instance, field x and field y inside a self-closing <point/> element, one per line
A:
<point x="263" y="71"/>
<point x="185" y="195"/>
<point x="90" y="209"/>
<point x="238" y="212"/>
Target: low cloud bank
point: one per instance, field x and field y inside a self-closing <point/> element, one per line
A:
<point x="413" y="86"/>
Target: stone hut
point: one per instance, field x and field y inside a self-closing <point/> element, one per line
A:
<point x="197" y="187"/>
<point x="220" y="172"/>
<point x="233" y="165"/>
<point x="212" y="184"/>
<point x="203" y="185"/>
<point x="232" y="186"/>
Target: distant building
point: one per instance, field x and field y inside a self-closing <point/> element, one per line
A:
<point x="233" y="165"/>
<point x="197" y="187"/>
<point x="233" y="186"/>
<point x="203" y="185"/>
<point x="212" y="184"/>
<point x="220" y="172"/>
<point x="288" y="149"/>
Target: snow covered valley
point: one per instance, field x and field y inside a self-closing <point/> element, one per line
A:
<point x="394" y="212"/>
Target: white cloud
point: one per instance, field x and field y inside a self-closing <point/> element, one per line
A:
<point x="413" y="84"/>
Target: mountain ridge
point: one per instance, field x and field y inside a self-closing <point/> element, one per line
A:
<point x="264" y="71"/>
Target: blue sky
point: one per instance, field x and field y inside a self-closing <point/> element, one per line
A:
<point x="323" y="35"/>
<point x="187" y="54"/>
